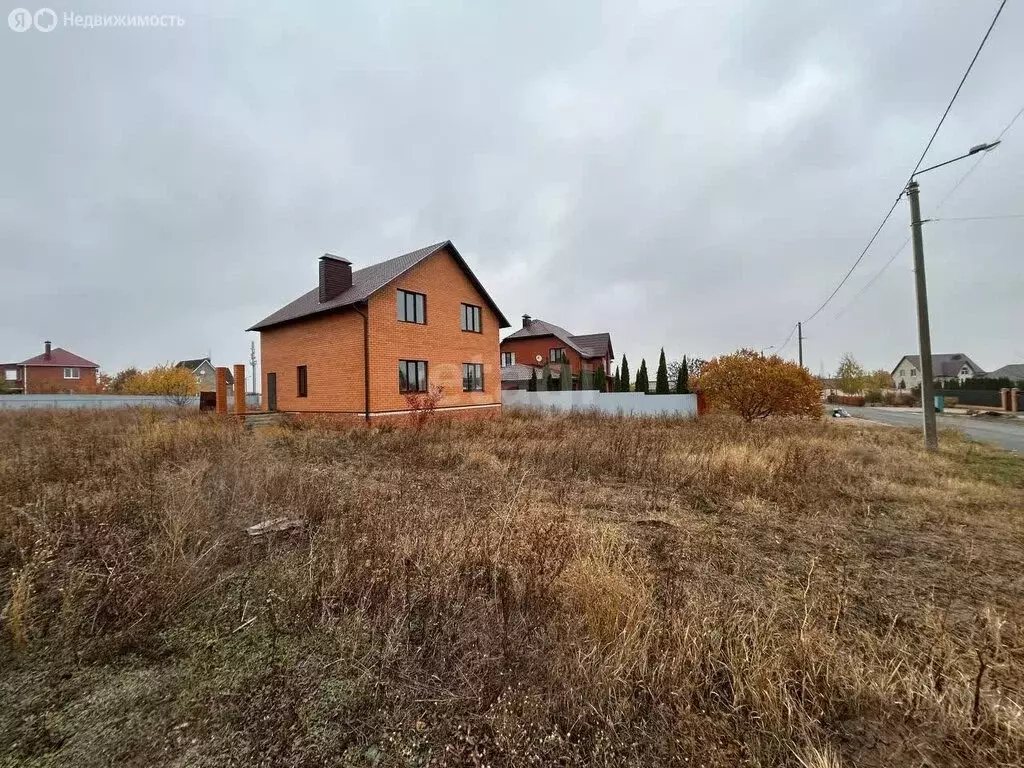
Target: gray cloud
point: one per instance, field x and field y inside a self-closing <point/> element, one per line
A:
<point x="697" y="177"/>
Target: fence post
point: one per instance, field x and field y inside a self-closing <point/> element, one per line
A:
<point x="222" y="390"/>
<point x="1004" y="399"/>
<point x="240" y="389"/>
<point x="1015" y="399"/>
<point x="702" y="403"/>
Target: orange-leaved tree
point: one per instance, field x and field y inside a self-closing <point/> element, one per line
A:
<point x="175" y="384"/>
<point x="756" y="387"/>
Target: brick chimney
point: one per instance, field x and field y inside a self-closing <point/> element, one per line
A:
<point x="526" y="320"/>
<point x="46" y="352"/>
<point x="335" y="276"/>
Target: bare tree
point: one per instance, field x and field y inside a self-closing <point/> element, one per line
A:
<point x="252" y="362"/>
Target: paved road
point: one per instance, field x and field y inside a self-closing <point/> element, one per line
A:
<point x="1006" y="433"/>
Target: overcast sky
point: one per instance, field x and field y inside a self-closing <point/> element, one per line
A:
<point x="697" y="175"/>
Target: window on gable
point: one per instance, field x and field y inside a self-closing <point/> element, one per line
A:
<point x="471" y="318"/>
<point x="412" y="376"/>
<point x="412" y="307"/>
<point x="302" y="381"/>
<point x="507" y="359"/>
<point x="72" y="373"/>
<point x="556" y="355"/>
<point x="472" y="377"/>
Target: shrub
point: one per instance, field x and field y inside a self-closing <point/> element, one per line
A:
<point x="902" y="399"/>
<point x="873" y="396"/>
<point x="177" y="385"/>
<point x="756" y="387"/>
<point x="854" y="400"/>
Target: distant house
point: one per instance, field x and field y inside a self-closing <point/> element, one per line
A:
<point x="539" y="343"/>
<point x="945" y="367"/>
<point x="54" y="371"/>
<point x="205" y="373"/>
<point x="1014" y="372"/>
<point x="378" y="341"/>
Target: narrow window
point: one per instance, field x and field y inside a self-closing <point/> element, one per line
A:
<point x="556" y="355"/>
<point x="302" y="383"/>
<point x="507" y="359"/>
<point x="412" y="307"/>
<point x="471" y="318"/>
<point x="412" y="376"/>
<point x="472" y="377"/>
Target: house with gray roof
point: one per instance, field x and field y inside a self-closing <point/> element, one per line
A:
<point x="538" y="343"/>
<point x="1013" y="371"/>
<point x="205" y="373"/>
<point x="945" y="367"/>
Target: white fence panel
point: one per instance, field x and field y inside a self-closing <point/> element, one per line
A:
<point x="624" y="403"/>
<point x="104" y="402"/>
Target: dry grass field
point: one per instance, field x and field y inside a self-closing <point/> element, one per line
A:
<point x="529" y="591"/>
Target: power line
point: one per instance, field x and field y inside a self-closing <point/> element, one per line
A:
<point x="858" y="261"/>
<point x="942" y="202"/>
<point x="961" y="85"/>
<point x="916" y="166"/>
<point x="778" y="349"/>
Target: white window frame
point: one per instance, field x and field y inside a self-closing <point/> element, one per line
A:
<point x="72" y="373"/>
<point x="508" y="359"/>
<point x="10" y="374"/>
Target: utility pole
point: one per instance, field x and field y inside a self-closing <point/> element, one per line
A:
<point x="800" y="341"/>
<point x="931" y="437"/>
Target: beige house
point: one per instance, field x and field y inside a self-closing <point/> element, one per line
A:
<point x="205" y="373"/>
<point x="945" y="367"/>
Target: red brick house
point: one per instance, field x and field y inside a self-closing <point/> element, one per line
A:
<point x="539" y="343"/>
<point x="372" y="342"/>
<point x="54" y="371"/>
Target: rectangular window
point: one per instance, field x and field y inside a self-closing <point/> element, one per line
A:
<point x="472" y="377"/>
<point x="412" y="307"/>
<point x="507" y="359"/>
<point x="913" y="373"/>
<point x="556" y="355"/>
<point x="412" y="375"/>
<point x="471" y="318"/>
<point x="11" y="374"/>
<point x="72" y="373"/>
<point x="302" y="382"/>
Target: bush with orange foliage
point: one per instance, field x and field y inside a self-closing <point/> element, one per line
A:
<point x="756" y="387"/>
<point x="178" y="385"/>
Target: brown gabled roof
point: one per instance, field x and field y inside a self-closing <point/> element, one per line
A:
<point x="59" y="358"/>
<point x="587" y="345"/>
<point x="598" y="344"/>
<point x="369" y="280"/>
<point x="544" y="328"/>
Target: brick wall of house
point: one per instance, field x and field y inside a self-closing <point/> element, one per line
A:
<point x="441" y="342"/>
<point x="331" y="347"/>
<point x="46" y="379"/>
<point x="527" y="350"/>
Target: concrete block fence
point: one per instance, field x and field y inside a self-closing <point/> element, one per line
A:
<point x="624" y="403"/>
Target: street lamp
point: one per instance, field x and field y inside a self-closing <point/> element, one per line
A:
<point x="931" y="437"/>
<point x="764" y="348"/>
